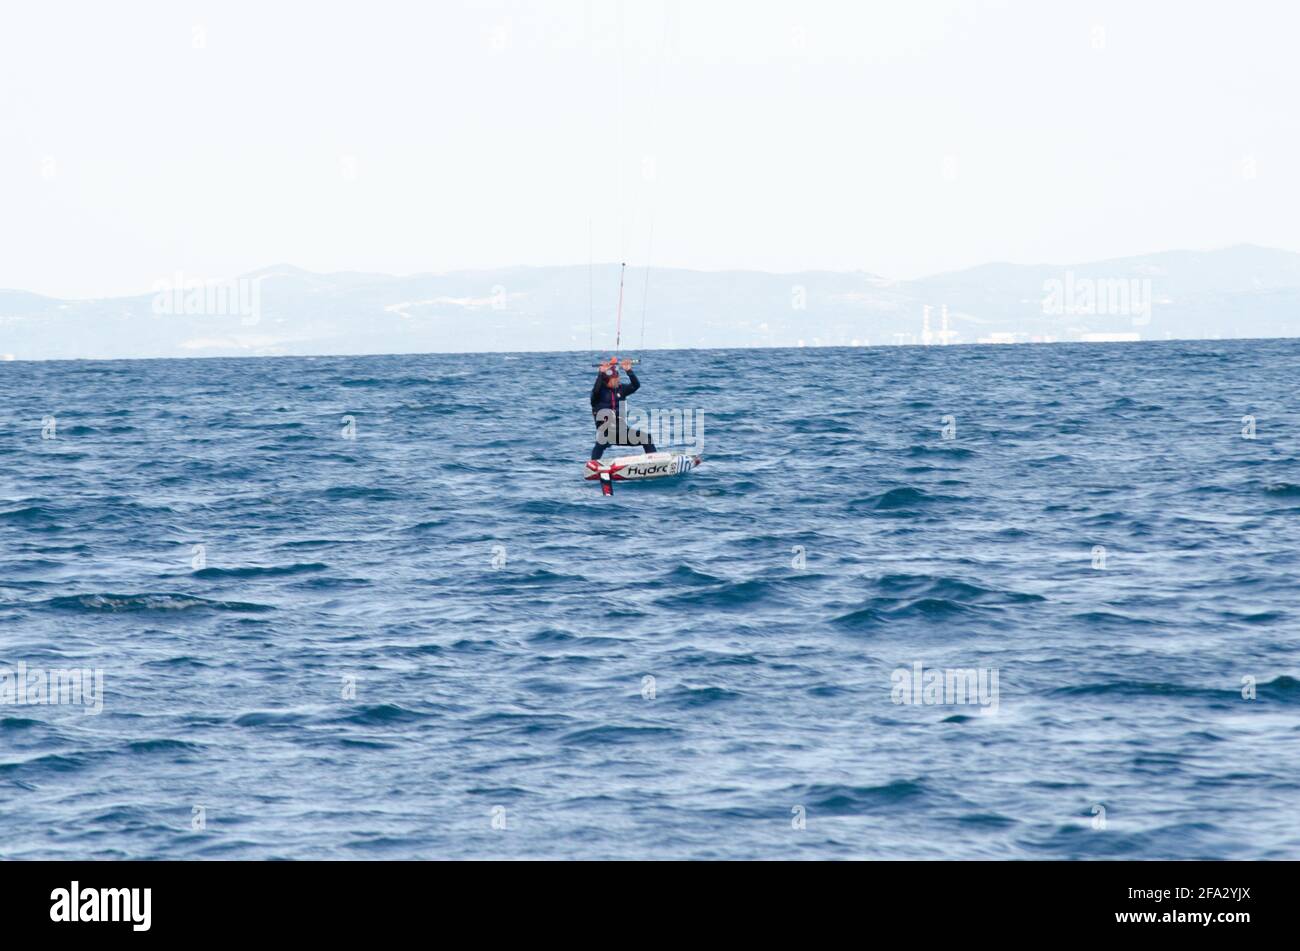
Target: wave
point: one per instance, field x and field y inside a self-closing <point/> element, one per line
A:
<point x="883" y="611"/>
<point x="729" y="596"/>
<point x="384" y="382"/>
<point x="602" y="735"/>
<point x="1141" y="688"/>
<point x="901" y="500"/>
<point x="49" y="763"/>
<point x="925" y="597"/>
<point x="36" y="516"/>
<point x="163" y="745"/>
<point x="844" y="800"/>
<point x="273" y="571"/>
<point x="18" y="723"/>
<point x="940" y="452"/>
<point x="131" y="603"/>
<point x="939" y="586"/>
<point x="365" y="493"/>
<point x="820" y="425"/>
<point x="1113" y="619"/>
<point x="382" y="714"/>
<point x="281" y="719"/>
<point x="700" y="696"/>
<point x="685" y="575"/>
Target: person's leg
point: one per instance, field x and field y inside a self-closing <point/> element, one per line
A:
<point x="637" y="437"/>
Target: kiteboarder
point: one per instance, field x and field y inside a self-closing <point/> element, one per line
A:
<point x="607" y="396"/>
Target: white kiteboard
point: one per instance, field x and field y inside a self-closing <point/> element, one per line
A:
<point x="641" y="465"/>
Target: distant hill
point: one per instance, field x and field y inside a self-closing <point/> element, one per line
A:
<point x="1241" y="291"/>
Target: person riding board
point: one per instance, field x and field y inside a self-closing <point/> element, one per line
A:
<point x="607" y="396"/>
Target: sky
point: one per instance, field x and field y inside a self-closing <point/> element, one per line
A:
<point x="139" y="140"/>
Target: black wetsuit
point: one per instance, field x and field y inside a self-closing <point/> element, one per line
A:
<point x="611" y="400"/>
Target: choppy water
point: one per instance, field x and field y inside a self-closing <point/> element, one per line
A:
<point x="522" y="687"/>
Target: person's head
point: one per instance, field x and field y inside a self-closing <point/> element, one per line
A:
<point x="611" y="378"/>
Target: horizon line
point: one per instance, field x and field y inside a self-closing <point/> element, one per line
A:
<point x="285" y="265"/>
<point x="587" y="353"/>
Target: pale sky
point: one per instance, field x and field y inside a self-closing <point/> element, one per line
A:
<point x="138" y="139"/>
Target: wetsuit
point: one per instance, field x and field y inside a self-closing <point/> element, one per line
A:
<point x="611" y="400"/>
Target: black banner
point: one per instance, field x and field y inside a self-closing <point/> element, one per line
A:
<point x="136" y="900"/>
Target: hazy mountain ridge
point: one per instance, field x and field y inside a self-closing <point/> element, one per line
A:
<point x="1241" y="291"/>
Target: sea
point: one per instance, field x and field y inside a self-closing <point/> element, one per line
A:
<point x="964" y="602"/>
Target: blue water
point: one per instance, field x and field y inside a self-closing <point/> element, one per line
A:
<point x="519" y="692"/>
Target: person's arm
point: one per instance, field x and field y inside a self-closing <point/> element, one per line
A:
<point x="600" y="382"/>
<point x="632" y="387"/>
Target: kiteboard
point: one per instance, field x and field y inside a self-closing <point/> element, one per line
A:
<point x="641" y="465"/>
